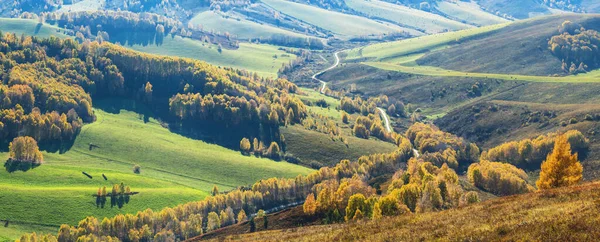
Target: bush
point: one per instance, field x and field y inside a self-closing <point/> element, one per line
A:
<point x="137" y="169"/>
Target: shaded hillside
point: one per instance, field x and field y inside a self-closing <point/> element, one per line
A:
<point x="492" y="123"/>
<point x="565" y="214"/>
<point x="520" y="48"/>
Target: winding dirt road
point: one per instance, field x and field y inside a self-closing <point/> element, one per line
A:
<point x="386" y="119"/>
<point x="324" y="84"/>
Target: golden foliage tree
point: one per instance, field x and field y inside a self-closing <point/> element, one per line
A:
<point x="245" y="146"/>
<point x="25" y="149"/>
<point x="310" y="205"/>
<point x="561" y="168"/>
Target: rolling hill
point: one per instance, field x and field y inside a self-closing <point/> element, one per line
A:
<point x="174" y="170"/>
<point x="526" y="53"/>
<point x="342" y="25"/>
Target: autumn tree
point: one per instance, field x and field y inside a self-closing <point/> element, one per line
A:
<point x="215" y="190"/>
<point x="25" y="150"/>
<point x="273" y="151"/>
<point x="241" y="217"/>
<point x="245" y="146"/>
<point x="148" y="92"/>
<point x="213" y="222"/>
<point x="561" y="168"/>
<point x="310" y="205"/>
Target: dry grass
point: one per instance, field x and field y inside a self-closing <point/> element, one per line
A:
<point x="565" y="214"/>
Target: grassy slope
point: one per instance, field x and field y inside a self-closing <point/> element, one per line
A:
<point x="469" y="12"/>
<point x="341" y="24"/>
<point x="175" y="169"/>
<point x="395" y="49"/>
<point x="241" y="28"/>
<point x="29" y="27"/>
<point x="520" y="48"/>
<point x="322" y="149"/>
<point x="565" y="214"/>
<point x="429" y="22"/>
<point x="253" y="57"/>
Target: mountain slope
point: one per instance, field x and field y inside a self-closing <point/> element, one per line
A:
<point x="519" y="48"/>
<point x="564" y="214"/>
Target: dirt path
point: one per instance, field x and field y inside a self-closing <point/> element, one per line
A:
<point x="386" y="119"/>
<point x="324" y="84"/>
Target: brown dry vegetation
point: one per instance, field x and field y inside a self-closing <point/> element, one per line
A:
<point x="565" y="214"/>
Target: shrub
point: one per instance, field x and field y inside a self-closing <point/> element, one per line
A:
<point x="137" y="169"/>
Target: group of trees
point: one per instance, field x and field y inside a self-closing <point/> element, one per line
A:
<point x="49" y="84"/>
<point x="370" y="125"/>
<point x="23" y="154"/>
<point x="119" y="196"/>
<point x="454" y="151"/>
<point x="257" y="148"/>
<point x="578" y="48"/>
<point x="530" y="153"/>
<point x="498" y="178"/>
<point x="121" y="26"/>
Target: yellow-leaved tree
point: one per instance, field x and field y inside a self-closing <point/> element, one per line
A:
<point x="561" y="168"/>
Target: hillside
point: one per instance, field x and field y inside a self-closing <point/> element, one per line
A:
<point x="565" y="214"/>
<point x="526" y="53"/>
<point x="259" y="58"/>
<point x="174" y="170"/>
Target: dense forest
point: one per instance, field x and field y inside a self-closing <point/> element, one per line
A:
<point x="48" y="87"/>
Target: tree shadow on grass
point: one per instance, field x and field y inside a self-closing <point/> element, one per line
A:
<point x="115" y="105"/>
<point x="12" y="166"/>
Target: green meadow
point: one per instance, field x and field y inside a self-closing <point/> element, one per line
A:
<point x="174" y="170"/>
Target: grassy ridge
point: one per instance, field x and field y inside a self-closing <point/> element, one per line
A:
<point x="341" y="24"/>
<point x="418" y="19"/>
<point x="175" y="170"/>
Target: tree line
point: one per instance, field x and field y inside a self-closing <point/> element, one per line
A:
<point x="49" y="84"/>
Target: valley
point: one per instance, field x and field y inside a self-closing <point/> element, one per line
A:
<point x="299" y="120"/>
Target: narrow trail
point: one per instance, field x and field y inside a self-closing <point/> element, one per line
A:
<point x="324" y="84"/>
<point x="386" y="120"/>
